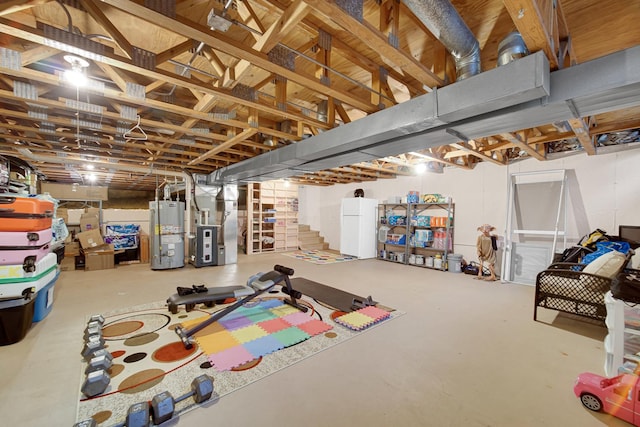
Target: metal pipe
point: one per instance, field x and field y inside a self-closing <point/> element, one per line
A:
<point x="443" y="20"/>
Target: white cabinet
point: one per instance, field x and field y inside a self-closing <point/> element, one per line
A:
<point x="358" y="227"/>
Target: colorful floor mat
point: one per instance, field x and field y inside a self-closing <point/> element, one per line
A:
<point x="254" y="330"/>
<point x="362" y="318"/>
<point x="319" y="257"/>
<point x="148" y="357"/>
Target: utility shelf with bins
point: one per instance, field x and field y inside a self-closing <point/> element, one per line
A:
<point x="419" y="234"/>
<point x="393" y="229"/>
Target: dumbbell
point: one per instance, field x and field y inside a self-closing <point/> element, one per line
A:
<point x="163" y="404"/>
<point x="98" y="352"/>
<point x="96" y="321"/>
<point x="92" y="328"/>
<point x="95" y="336"/>
<point x="91" y="347"/>
<point x="97" y="318"/>
<point x="96" y="383"/>
<point x="137" y="416"/>
<point x="93" y="343"/>
<point x="98" y="362"/>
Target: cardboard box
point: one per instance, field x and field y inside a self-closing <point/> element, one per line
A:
<point x="72" y="248"/>
<point x="94" y="211"/>
<point x="89" y="221"/>
<point x="99" y="258"/>
<point x="63" y="213"/>
<point x="90" y="239"/>
<point x="68" y="263"/>
<point x="74" y="192"/>
<point x="144" y="248"/>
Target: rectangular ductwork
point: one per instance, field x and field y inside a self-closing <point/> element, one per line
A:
<point x="519" y="95"/>
<point x="605" y="84"/>
<point x="519" y="81"/>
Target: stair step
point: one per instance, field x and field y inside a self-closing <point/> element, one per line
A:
<point x="316" y="239"/>
<point x="308" y="234"/>
<point x="317" y="246"/>
<point x="310" y="239"/>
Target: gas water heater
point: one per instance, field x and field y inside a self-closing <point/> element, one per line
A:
<point x="167" y="234"/>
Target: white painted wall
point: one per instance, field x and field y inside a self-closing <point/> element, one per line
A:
<point x="604" y="192"/>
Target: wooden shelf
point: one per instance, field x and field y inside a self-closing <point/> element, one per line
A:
<point x="273" y="207"/>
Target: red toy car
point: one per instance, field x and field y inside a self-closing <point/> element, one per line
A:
<point x="618" y="396"/>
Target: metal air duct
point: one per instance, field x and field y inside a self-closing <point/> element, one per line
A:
<point x="444" y="22"/>
<point x="511" y="48"/>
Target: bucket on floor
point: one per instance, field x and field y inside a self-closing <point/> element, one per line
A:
<point x="454" y="262"/>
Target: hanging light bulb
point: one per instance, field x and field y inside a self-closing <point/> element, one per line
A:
<point x="420" y="168"/>
<point x="76" y="75"/>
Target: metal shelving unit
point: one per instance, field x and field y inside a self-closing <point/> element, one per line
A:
<point x="424" y="238"/>
<point x="440" y="231"/>
<point x="390" y="224"/>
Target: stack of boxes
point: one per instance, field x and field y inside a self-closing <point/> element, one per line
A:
<point x="98" y="255"/>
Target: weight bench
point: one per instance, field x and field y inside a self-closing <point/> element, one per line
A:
<point x="256" y="285"/>
<point x="209" y="297"/>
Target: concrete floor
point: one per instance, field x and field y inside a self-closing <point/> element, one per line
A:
<point x="467" y="352"/>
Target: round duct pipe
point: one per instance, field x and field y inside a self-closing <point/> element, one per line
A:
<point x="444" y="22"/>
<point x="512" y="47"/>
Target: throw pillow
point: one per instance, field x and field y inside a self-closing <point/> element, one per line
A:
<point x="606" y="265"/>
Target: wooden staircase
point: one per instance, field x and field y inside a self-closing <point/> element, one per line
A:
<point x="310" y="239"/>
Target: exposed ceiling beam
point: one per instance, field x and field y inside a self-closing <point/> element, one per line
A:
<point x="37" y="36"/>
<point x="96" y="13"/>
<point x="581" y="131"/>
<point x="464" y="147"/>
<point x="517" y="140"/>
<point x="11" y="6"/>
<point x="223" y="43"/>
<point x="376" y="40"/>
<point x="247" y="133"/>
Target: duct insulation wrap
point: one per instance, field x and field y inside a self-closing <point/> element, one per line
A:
<point x="444" y="22"/>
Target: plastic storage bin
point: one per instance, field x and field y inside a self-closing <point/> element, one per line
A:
<point x="16" y="316"/>
<point x="44" y="300"/>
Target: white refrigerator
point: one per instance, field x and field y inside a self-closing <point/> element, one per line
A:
<point x="358" y="218"/>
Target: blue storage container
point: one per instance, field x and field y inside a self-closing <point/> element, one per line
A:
<point x="44" y="300"/>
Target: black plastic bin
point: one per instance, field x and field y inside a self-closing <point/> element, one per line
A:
<point x="16" y="317"/>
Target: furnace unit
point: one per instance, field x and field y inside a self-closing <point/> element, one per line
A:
<point x="204" y="246"/>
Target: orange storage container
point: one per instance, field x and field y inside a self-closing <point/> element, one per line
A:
<point x="25" y="213"/>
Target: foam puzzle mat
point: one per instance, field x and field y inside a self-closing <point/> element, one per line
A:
<point x="254" y="330"/>
<point x="362" y="318"/>
<point x="318" y="257"/>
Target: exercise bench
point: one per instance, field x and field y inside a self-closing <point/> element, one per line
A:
<point x="256" y="285"/>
